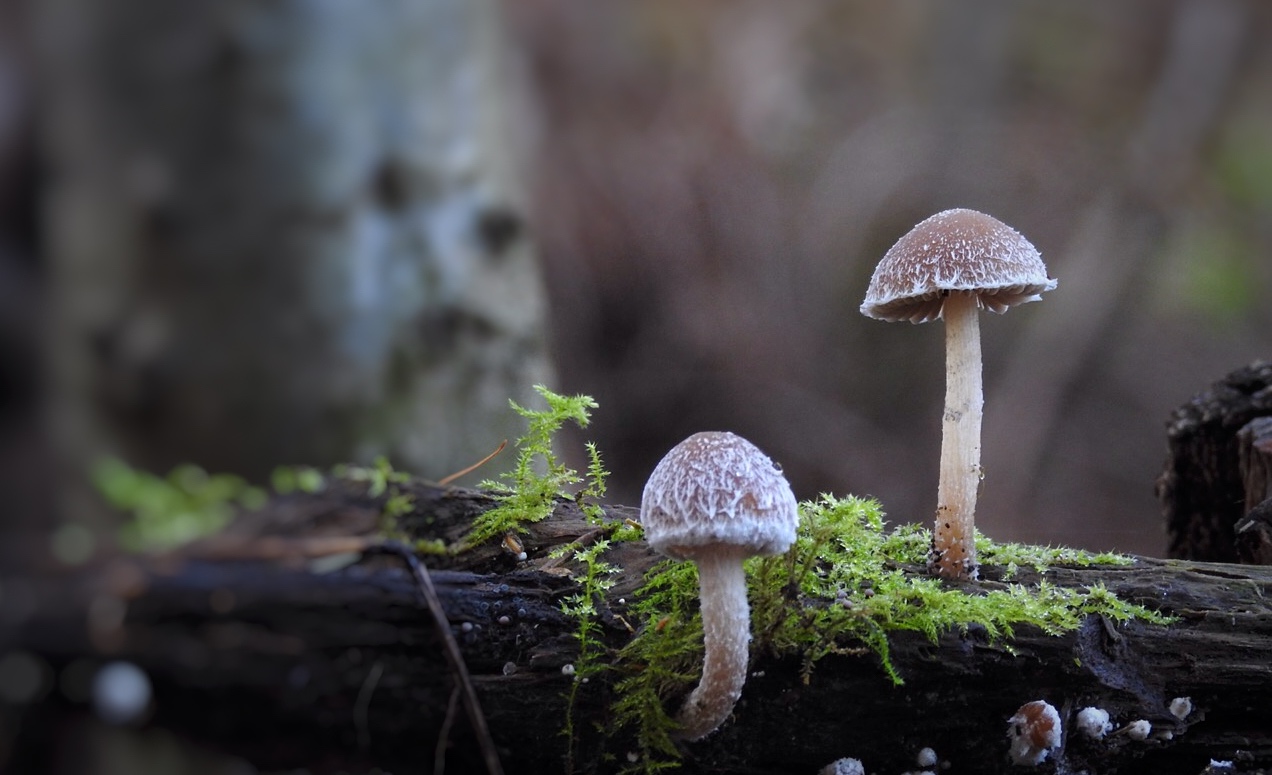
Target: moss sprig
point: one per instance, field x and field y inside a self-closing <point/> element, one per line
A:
<point x="528" y="492"/>
<point x="663" y="660"/>
<point x="582" y="607"/>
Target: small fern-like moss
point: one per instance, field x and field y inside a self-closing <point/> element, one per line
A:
<point x="382" y="480"/>
<point x="664" y="659"/>
<point x="528" y="492"/>
<point x="595" y="580"/>
<point x="1013" y="556"/>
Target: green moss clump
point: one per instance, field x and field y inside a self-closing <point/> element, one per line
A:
<point x="286" y="480"/>
<point x="663" y="660"/>
<point x="1012" y="557"/>
<point x="528" y="492"/>
<point x="844" y="585"/>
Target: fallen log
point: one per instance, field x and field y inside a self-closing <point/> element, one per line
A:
<point x="293" y="641"/>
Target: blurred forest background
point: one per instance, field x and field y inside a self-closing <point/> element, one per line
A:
<point x="706" y="188"/>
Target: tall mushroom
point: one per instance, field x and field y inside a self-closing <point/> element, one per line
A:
<point x="716" y="499"/>
<point x="950" y="266"/>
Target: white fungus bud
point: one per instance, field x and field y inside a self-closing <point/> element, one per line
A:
<point x="1138" y="730"/>
<point x="1180" y="707"/>
<point x="843" y="766"/>
<point x="567" y="669"/>
<point x="1094" y="722"/>
<point x="926" y="757"/>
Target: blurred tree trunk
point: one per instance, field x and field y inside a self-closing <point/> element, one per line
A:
<point x="283" y="231"/>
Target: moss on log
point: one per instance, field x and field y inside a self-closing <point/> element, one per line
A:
<point x="292" y="641"/>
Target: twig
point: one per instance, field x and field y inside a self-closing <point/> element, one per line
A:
<point x="463" y="682"/>
<point x="586" y="539"/>
<point x="363" y="704"/>
<point x="443" y="735"/>
<point x="448" y="479"/>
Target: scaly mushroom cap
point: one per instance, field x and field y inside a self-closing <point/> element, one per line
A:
<point x="718" y="488"/>
<point x="955" y="251"/>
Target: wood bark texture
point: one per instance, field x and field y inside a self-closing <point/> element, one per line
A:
<point x="1211" y="474"/>
<point x="293" y="642"/>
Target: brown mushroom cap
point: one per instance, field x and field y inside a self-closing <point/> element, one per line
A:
<point x="718" y="488"/>
<point x="955" y="251"/>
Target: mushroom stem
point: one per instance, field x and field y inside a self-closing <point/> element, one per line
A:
<point x="726" y="634"/>
<point x="953" y="542"/>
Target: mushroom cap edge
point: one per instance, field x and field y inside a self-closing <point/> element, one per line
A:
<point x="955" y="251"/>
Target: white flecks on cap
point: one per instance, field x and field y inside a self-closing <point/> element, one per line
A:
<point x="718" y="488"/>
<point x="955" y="251"/>
<point x="1034" y="731"/>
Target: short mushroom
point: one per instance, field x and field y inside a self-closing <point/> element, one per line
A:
<point x="1034" y="732"/>
<point x="950" y="266"/>
<point x="716" y="499"/>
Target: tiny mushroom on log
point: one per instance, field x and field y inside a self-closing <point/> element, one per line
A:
<point x="1034" y="731"/>
<point x="1094" y="722"/>
<point x="950" y="266"/>
<point x="716" y="499"/>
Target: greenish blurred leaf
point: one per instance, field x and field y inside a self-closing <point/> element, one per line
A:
<point x="1243" y="165"/>
<point x="1212" y="273"/>
<point x="187" y="504"/>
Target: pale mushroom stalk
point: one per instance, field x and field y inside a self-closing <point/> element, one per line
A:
<point x="726" y="635"/>
<point x="954" y="550"/>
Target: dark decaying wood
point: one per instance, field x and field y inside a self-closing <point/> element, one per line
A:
<point x="1204" y="488"/>
<point x="1254" y="457"/>
<point x="273" y="650"/>
<point x="1253" y="532"/>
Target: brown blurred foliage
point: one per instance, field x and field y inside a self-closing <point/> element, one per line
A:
<point x="23" y="466"/>
<point x="714" y="182"/>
